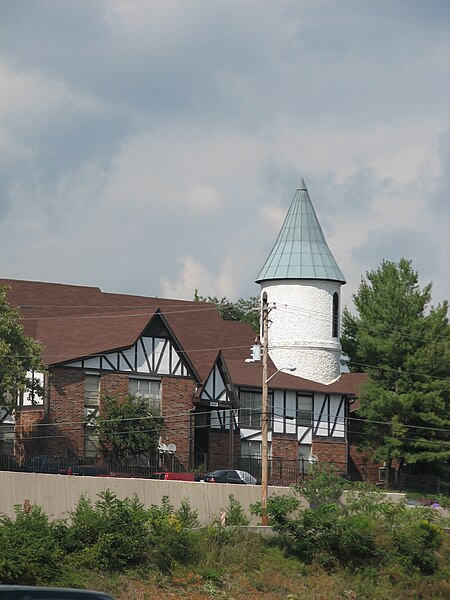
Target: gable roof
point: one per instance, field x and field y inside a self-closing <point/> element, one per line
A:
<point x="301" y="251"/>
<point x="75" y="322"/>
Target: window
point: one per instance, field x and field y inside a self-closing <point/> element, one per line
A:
<point x="91" y="393"/>
<point x="90" y="441"/>
<point x="304" y="452"/>
<point x="146" y="389"/>
<point x="251" y="449"/>
<point x="7" y="438"/>
<point x="335" y="323"/>
<point x="250" y="413"/>
<point x="91" y="406"/>
<point x="304" y="410"/>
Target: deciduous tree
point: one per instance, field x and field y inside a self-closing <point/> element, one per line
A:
<point x="244" y="309"/>
<point x="127" y="427"/>
<point x="19" y="357"/>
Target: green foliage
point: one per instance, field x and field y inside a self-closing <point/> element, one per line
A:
<point x="30" y="553"/>
<point x="187" y="517"/>
<point x="416" y="537"/>
<point x="246" y="310"/>
<point x="171" y="541"/>
<point x="323" y="485"/>
<point x="235" y="515"/>
<point x="405" y="349"/>
<point x="127" y="427"/>
<point x="111" y="535"/>
<point x="19" y="354"/>
<point x="367" y="531"/>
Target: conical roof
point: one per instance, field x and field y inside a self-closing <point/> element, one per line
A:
<point x="301" y="251"/>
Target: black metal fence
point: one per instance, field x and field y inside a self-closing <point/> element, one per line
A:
<point x="281" y="471"/>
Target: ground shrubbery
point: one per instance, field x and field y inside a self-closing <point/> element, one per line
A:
<point x="110" y="535"/>
<point x="366" y="531"/>
<point x="366" y="537"/>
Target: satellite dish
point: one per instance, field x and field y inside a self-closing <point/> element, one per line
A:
<point x="162" y="448"/>
<point x="313" y="459"/>
<point x="172" y="448"/>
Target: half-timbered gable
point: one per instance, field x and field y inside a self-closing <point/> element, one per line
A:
<point x="154" y="353"/>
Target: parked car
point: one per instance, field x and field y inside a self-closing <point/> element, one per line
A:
<point x="168" y="476"/>
<point x="88" y="470"/>
<point x="22" y="592"/>
<point x="48" y="464"/>
<point x="230" y="476"/>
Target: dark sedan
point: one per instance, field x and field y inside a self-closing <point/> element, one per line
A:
<point x="230" y="476"/>
<point x="13" y="592"/>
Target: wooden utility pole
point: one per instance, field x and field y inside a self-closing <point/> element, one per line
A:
<point x="264" y="411"/>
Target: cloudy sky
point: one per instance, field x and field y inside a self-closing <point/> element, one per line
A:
<point x="154" y="146"/>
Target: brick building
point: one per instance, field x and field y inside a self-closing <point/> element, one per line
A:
<point x="189" y="363"/>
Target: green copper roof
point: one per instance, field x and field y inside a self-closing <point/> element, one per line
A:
<point x="301" y="251"/>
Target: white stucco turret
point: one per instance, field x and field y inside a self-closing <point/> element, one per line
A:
<point x="302" y="282"/>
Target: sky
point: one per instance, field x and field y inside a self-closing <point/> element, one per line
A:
<point x="153" y="147"/>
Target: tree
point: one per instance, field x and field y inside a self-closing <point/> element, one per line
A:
<point x="20" y="356"/>
<point x="127" y="427"/>
<point x="246" y="310"/>
<point x="404" y="346"/>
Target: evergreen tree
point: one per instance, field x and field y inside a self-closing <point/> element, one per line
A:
<point x="404" y="346"/>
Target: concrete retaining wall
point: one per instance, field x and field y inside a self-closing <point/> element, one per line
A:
<point x="59" y="494"/>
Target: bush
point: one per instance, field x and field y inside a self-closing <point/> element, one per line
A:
<point x="368" y="530"/>
<point x="30" y="552"/>
<point x="111" y="535"/>
<point x="416" y="538"/>
<point x="323" y="486"/>
<point x="170" y="539"/>
<point x="235" y="515"/>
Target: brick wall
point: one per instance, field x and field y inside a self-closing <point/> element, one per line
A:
<point x="361" y="466"/>
<point x="220" y="455"/>
<point x="114" y="384"/>
<point x="66" y="411"/>
<point x="331" y="451"/>
<point x="29" y="438"/>
<point x="176" y="402"/>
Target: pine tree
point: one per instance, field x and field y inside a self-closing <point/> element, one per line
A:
<point x="404" y="346"/>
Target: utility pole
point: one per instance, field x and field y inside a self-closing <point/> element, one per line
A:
<point x="264" y="410"/>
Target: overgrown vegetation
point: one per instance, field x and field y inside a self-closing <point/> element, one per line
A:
<point x="364" y="547"/>
<point x="365" y="531"/>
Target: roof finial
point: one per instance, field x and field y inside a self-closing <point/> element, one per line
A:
<point x="302" y="185"/>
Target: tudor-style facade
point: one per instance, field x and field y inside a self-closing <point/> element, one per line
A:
<point x="190" y="364"/>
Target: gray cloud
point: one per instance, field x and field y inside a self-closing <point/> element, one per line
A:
<point x="144" y="145"/>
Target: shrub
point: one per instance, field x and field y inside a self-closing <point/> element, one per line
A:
<point x="30" y="552"/>
<point x="416" y="538"/>
<point x="171" y="541"/>
<point x="324" y="485"/>
<point x="187" y="517"/>
<point x="235" y="515"/>
<point x="111" y="535"/>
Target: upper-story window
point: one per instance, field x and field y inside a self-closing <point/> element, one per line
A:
<point x="251" y="409"/>
<point x="304" y="410"/>
<point x="91" y="408"/>
<point x="146" y="389"/>
<point x="91" y="395"/>
<point x="335" y="323"/>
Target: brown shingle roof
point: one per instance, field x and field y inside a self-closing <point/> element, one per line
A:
<point x="79" y="321"/>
